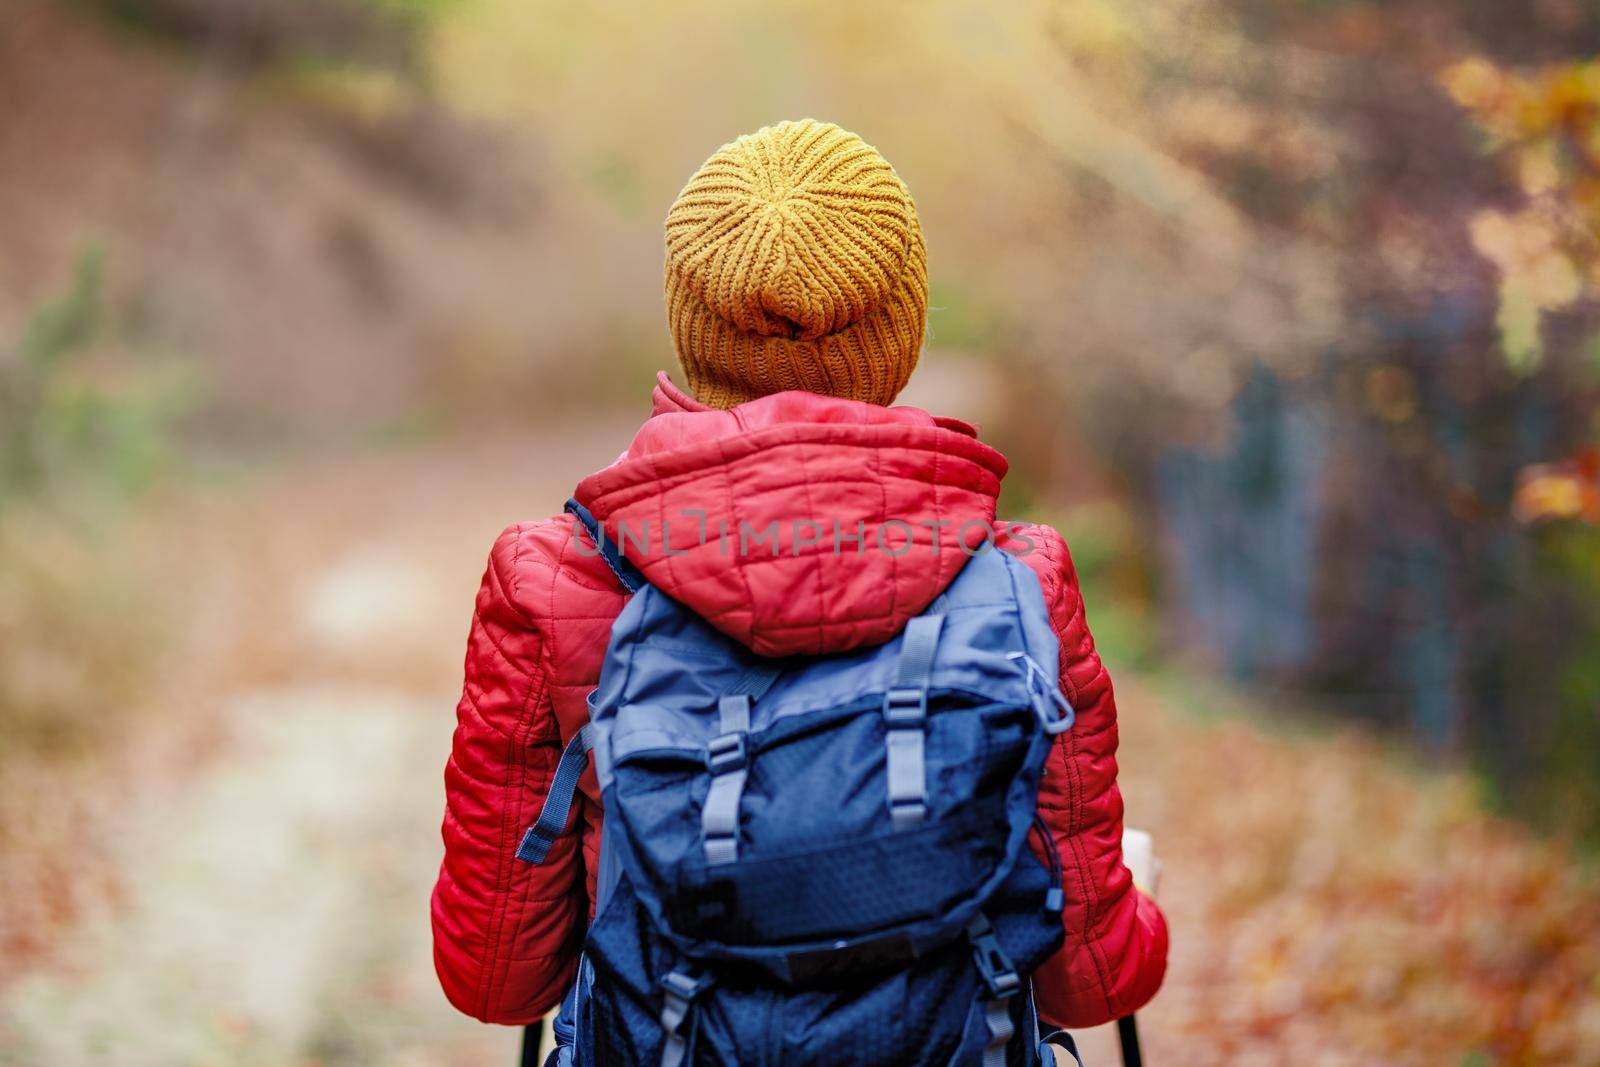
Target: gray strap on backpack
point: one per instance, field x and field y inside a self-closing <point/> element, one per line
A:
<point x="1000" y="983"/>
<point x="679" y="988"/>
<point x="997" y="1014"/>
<point x="905" y="716"/>
<point x="727" y="759"/>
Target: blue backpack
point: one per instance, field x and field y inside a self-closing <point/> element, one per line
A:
<point x="817" y="860"/>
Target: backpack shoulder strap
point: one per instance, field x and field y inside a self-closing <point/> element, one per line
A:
<point x="557" y="808"/>
<point x="629" y="575"/>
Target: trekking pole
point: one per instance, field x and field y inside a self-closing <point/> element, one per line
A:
<point x="532" y="1043"/>
<point x="1128" y="1035"/>
<point x="1139" y="852"/>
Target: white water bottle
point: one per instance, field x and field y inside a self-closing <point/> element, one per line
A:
<point x="1139" y="853"/>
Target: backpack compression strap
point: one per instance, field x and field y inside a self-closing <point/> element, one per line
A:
<point x="1000" y="983"/>
<point x="680" y="987"/>
<point x="905" y="718"/>
<point x="727" y="758"/>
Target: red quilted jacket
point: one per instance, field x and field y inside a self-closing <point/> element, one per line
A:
<point x="506" y="934"/>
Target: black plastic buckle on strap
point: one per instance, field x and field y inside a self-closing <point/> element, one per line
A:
<point x="905" y="707"/>
<point x="726" y="753"/>
<point x="999" y="977"/>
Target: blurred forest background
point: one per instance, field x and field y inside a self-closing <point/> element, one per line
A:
<point x="1286" y="312"/>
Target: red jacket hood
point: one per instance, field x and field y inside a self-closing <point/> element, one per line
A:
<point x="798" y="523"/>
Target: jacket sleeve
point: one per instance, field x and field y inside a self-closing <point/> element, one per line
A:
<point x="506" y="934"/>
<point x="1115" y="953"/>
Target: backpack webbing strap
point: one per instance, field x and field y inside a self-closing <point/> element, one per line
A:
<point x="679" y="988"/>
<point x="1059" y="1039"/>
<point x="905" y="715"/>
<point x="630" y="577"/>
<point x="727" y="758"/>
<point x="558" y="801"/>
<point x="1000" y="983"/>
<point x="997" y="1016"/>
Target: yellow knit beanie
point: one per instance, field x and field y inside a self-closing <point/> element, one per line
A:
<point x="795" y="261"/>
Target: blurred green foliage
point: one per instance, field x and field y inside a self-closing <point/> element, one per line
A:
<point x="1114" y="576"/>
<point x="960" y="319"/>
<point x="86" y="425"/>
<point x="271" y="33"/>
<point x="77" y="417"/>
<point x="1558" y="683"/>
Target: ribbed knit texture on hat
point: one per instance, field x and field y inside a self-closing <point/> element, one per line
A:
<point x="795" y="261"/>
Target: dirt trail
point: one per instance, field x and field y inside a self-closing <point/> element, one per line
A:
<point x="274" y="909"/>
<point x="1329" y="905"/>
<point x="272" y="905"/>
